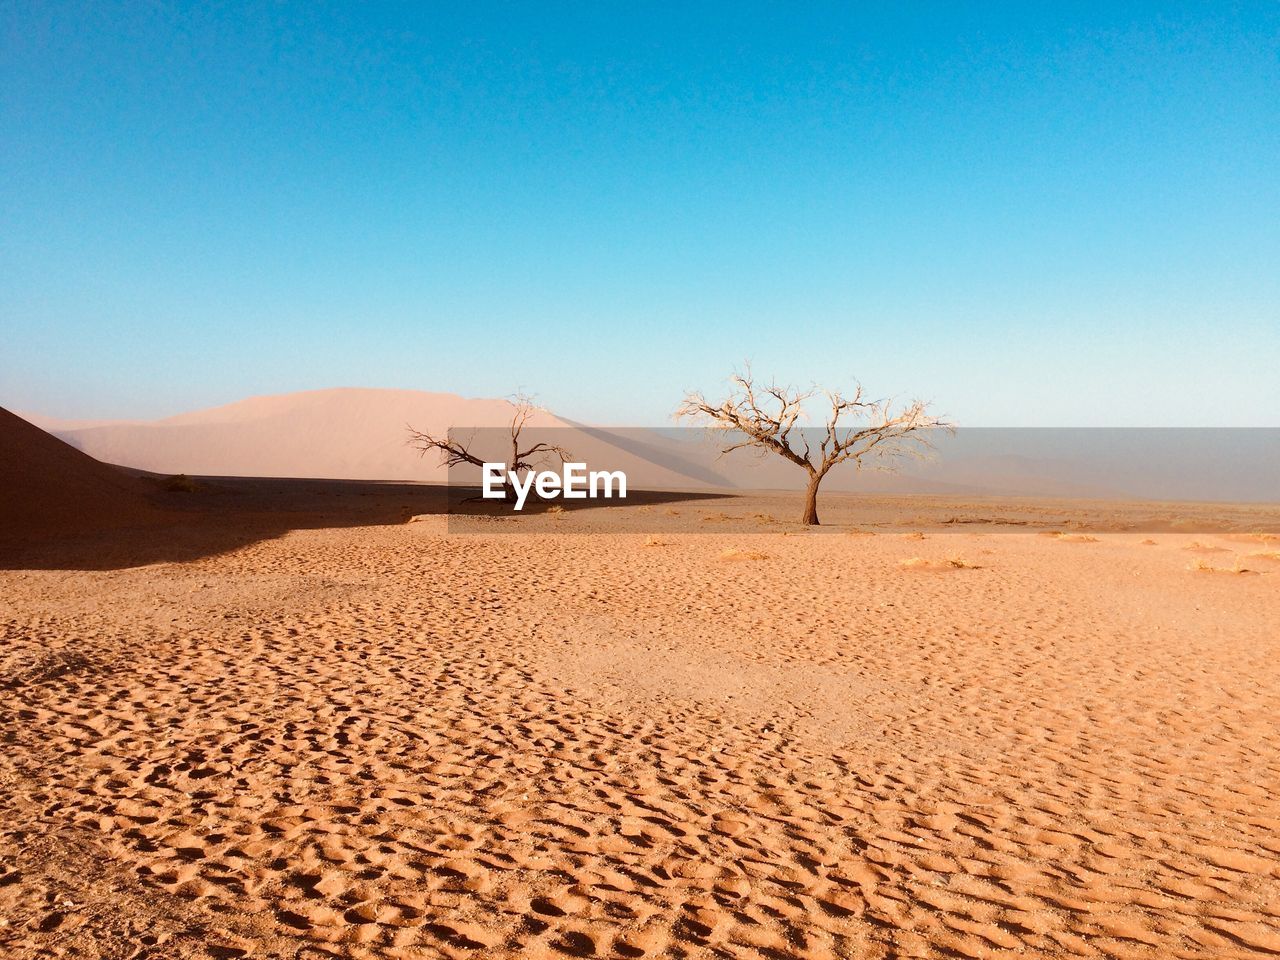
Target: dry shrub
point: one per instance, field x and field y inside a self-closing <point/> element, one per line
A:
<point x="1266" y="555"/>
<point x="949" y="563"/>
<point x="180" y="483"/>
<point x="855" y="532"/>
<point x="914" y="535"/>
<point x="1202" y="566"/>
<point x="1070" y="537"/>
<point x="652" y="541"/>
<point x="735" y="554"/>
<point x="1195" y="546"/>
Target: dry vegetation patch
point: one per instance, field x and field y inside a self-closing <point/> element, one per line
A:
<point x="735" y="554"/>
<point x="1195" y="546"/>
<point x="180" y="483"/>
<point x="1255" y="537"/>
<point x="947" y="563"/>
<point x="1202" y="566"/>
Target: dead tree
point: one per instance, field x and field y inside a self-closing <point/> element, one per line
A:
<point x="454" y="451"/>
<point x="767" y="419"/>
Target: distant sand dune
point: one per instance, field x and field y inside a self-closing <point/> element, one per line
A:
<point x="359" y="434"/>
<point x="336" y="434"/>
<point x="350" y="433"/>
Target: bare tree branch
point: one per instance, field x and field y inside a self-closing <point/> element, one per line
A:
<point x="765" y="418"/>
<point x="454" y="451"/>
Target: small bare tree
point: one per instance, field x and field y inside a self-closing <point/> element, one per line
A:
<point x="454" y="451"/>
<point x="766" y="419"/>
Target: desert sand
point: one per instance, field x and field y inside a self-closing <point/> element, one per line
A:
<point x="308" y="720"/>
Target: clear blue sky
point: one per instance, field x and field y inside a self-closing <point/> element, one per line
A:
<point x="1031" y="213"/>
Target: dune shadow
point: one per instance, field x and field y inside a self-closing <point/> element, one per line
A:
<point x="221" y="514"/>
<point x="466" y="501"/>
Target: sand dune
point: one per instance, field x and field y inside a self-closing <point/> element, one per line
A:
<point x="49" y="488"/>
<point x="356" y="434"/>
<point x="360" y="434"/>
<point x="341" y="434"/>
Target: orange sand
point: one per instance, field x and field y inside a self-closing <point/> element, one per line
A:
<point x="382" y="741"/>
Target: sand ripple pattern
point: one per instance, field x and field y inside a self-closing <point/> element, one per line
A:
<point x="391" y="743"/>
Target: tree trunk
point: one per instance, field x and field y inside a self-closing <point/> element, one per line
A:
<point x="810" y="517"/>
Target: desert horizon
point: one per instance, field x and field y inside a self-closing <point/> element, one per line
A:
<point x="683" y="482"/>
<point x="362" y="434"/>
<point x="239" y="726"/>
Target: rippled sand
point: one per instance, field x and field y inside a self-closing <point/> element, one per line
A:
<point x="385" y="741"/>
